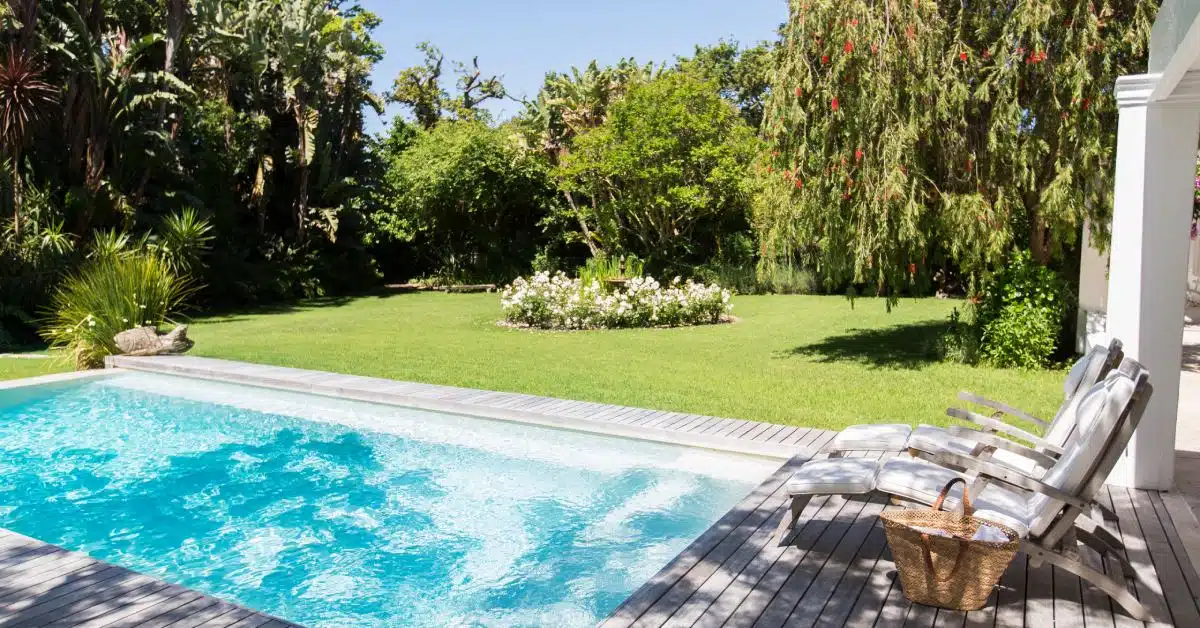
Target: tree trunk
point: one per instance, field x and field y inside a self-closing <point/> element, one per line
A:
<point x="1039" y="240"/>
<point x="587" y="233"/>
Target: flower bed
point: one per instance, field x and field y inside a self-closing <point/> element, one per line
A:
<point x="558" y="302"/>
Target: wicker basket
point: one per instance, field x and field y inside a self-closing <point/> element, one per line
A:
<point x="949" y="572"/>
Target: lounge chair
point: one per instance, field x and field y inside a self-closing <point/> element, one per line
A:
<point x="991" y="434"/>
<point x="1049" y="512"/>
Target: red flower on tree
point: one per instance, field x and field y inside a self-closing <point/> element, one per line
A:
<point x="849" y="47"/>
<point x="799" y="183"/>
<point x="834" y="104"/>
<point x="874" y="48"/>
<point x="824" y="59"/>
<point x="962" y="56"/>
<point x="798" y="92"/>
<point x="912" y="269"/>
<point x="858" y="154"/>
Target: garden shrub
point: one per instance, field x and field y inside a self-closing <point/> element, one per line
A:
<point x="559" y="302"/>
<point x="1022" y="336"/>
<point x="1022" y="314"/>
<point x="111" y="295"/>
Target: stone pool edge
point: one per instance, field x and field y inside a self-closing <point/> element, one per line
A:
<point x="765" y="440"/>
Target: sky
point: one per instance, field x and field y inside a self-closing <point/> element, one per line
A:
<point x="523" y="39"/>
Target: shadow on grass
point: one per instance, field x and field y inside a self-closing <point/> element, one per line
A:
<point x="909" y="346"/>
<point x="232" y="313"/>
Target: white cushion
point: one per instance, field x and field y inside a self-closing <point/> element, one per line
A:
<point x="887" y="437"/>
<point x="834" y="476"/>
<point x="930" y="438"/>
<point x="920" y="481"/>
<point x="933" y="439"/>
<point x="1020" y="526"/>
<point x="915" y="480"/>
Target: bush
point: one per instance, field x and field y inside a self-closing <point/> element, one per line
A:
<point x="109" y="296"/>
<point x="1018" y="322"/>
<point x="1022" y="336"/>
<point x="559" y="302"/>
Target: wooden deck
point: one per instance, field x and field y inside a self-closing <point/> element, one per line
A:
<point x="45" y="585"/>
<point x="837" y="571"/>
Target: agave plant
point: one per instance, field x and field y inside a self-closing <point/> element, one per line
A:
<point x="24" y="99"/>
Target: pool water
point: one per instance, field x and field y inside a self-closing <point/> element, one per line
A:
<point x="330" y="512"/>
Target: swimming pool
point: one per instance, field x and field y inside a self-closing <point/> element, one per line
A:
<point x="330" y="512"/>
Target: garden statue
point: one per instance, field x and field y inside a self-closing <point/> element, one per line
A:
<point x="147" y="341"/>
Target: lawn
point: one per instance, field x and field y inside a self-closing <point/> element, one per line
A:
<point x="13" y="368"/>
<point x="799" y="360"/>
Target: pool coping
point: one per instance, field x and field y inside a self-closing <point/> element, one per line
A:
<point x="766" y="440"/>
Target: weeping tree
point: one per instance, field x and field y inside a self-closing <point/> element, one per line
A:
<point x="904" y="132"/>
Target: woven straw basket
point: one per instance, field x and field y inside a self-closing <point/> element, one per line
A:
<point x="956" y="573"/>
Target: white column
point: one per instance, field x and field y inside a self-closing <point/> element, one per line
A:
<point x="1155" y="169"/>
<point x="1093" y="294"/>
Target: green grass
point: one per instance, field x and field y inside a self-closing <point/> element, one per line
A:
<point x="15" y="368"/>
<point x="800" y="360"/>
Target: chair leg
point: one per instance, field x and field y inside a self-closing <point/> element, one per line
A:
<point x="795" y="507"/>
<point x="1115" y="590"/>
<point x="1105" y="544"/>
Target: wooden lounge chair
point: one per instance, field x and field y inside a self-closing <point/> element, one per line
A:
<point x="992" y="434"/>
<point x="1050" y="511"/>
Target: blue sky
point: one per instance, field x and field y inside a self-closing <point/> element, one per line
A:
<point x="523" y="39"/>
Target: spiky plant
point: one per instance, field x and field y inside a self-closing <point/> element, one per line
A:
<point x="108" y="296"/>
<point x="24" y="99"/>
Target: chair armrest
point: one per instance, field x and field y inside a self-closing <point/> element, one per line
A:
<point x="991" y="440"/>
<point x="991" y="471"/>
<point x="1002" y="408"/>
<point x="994" y="425"/>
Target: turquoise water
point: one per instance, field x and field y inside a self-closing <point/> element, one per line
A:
<point x="335" y="513"/>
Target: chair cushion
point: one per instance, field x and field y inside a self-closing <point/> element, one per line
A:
<point x="834" y="476"/>
<point x="915" y="480"/>
<point x="932" y="439"/>
<point x="1020" y="526"/>
<point x="919" y="481"/>
<point x="888" y="437"/>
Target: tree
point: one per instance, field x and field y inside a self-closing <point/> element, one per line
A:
<point x="420" y="88"/>
<point x="571" y="104"/>
<point x="665" y="171"/>
<point x="904" y="133"/>
<point x="468" y="197"/>
<point x="742" y="74"/>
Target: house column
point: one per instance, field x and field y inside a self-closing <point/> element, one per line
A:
<point x="1155" y="170"/>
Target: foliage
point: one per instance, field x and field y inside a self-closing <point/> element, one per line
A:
<point x="419" y="88"/>
<point x="121" y="114"/>
<point x="468" y="198"/>
<point x="742" y="74"/>
<point x="109" y="296"/>
<point x="605" y="268"/>
<point x="664" y="172"/>
<point x="559" y="302"/>
<point x="184" y="238"/>
<point x="905" y="133"/>
<point x="1020" y="320"/>
<point x="1021" y="336"/>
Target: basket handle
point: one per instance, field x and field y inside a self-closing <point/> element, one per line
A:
<point x="962" y="550"/>
<point x="967" y="508"/>
<point x="963" y="545"/>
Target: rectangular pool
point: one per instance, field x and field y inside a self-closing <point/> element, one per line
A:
<point x="331" y="512"/>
